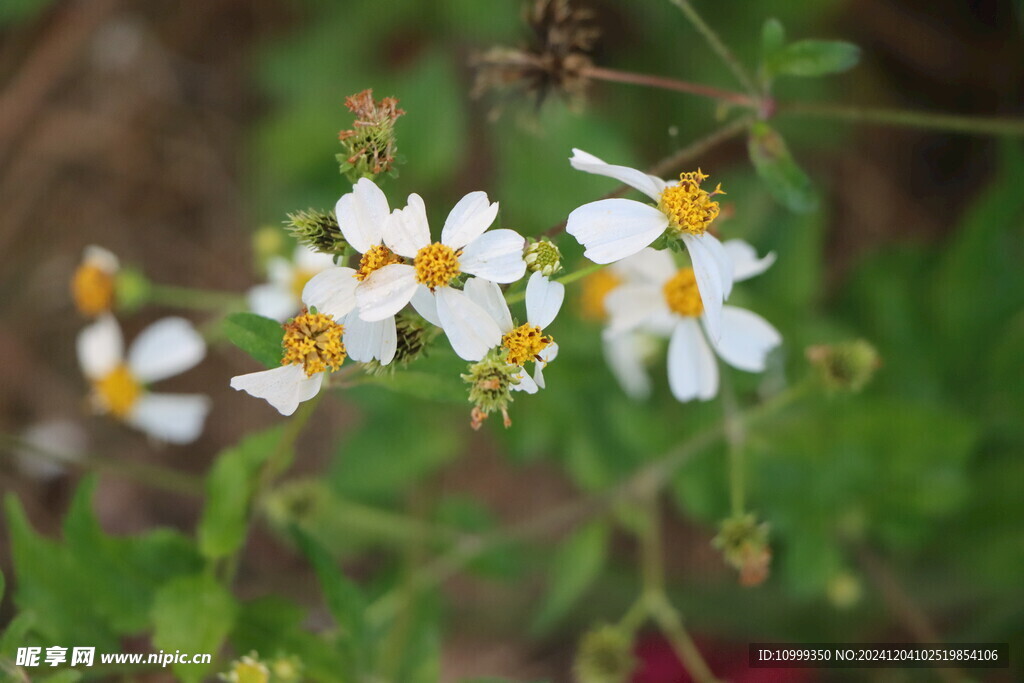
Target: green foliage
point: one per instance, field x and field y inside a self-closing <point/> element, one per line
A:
<point x="14" y="11"/>
<point x="780" y="173"/>
<point x="811" y="58"/>
<point x="574" y="568"/>
<point x="258" y="336"/>
<point x="192" y="613"/>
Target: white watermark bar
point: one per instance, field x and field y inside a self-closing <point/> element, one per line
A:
<point x="879" y="655"/>
<point x="57" y="655"/>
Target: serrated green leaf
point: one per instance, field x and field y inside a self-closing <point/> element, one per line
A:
<point x="576" y="565"/>
<point x="229" y="489"/>
<point x="813" y="58"/>
<point x="258" y="336"/>
<point x="786" y="181"/>
<point x="192" y="614"/>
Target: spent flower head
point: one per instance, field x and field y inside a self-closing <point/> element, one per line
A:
<point x="744" y="545"/>
<point x="605" y="655"/>
<point x="369" y="147"/>
<point x="490" y="387"/>
<point x="847" y="366"/>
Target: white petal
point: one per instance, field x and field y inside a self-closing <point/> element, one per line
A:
<point x="332" y="292"/>
<point x="468" y="219"/>
<point x="426" y="305"/>
<point x="648" y="184"/>
<point x="386" y="291"/>
<point x="407" y="231"/>
<point x="543" y="300"/>
<point x="284" y="388"/>
<point x="549" y="353"/>
<point x="488" y="296"/>
<point x="281" y="272"/>
<point x="745" y="263"/>
<point x="50" y="445"/>
<point x="100" y="347"/>
<point x="747" y="339"/>
<point x="526" y="383"/>
<point x="632" y="306"/>
<point x="166" y="348"/>
<point x="647" y="265"/>
<point x="692" y="372"/>
<point x="366" y="341"/>
<point x="176" y="418"/>
<point x="272" y="301"/>
<point x="496" y="255"/>
<point x="362" y="215"/>
<point x="471" y="331"/>
<point x="725" y="268"/>
<point x="104" y="259"/>
<point x="709" y="283"/>
<point x="612" y="229"/>
<point x="388" y="342"/>
<point x="625" y="357"/>
<point x="538" y="374"/>
<point x="313" y="261"/>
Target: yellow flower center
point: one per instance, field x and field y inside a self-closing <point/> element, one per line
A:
<point x="596" y="288"/>
<point x="525" y="343"/>
<point x="93" y="289"/>
<point x="682" y="295"/>
<point x="300" y="278"/>
<point x="118" y="391"/>
<point x="314" y="341"/>
<point x="689" y="208"/>
<point x="375" y="258"/>
<point x="436" y="265"/>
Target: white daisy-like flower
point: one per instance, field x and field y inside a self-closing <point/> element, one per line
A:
<point x="313" y="345"/>
<point x="166" y="348"/>
<point x="527" y="342"/>
<point x="613" y="229"/>
<point x="663" y="299"/>
<point x="93" y="284"/>
<point x="48" y="446"/>
<point x="281" y="297"/>
<point x="465" y="247"/>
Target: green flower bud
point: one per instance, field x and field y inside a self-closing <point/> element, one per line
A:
<point x="248" y="669"/>
<point x="744" y="545"/>
<point x="318" y="230"/>
<point x="543" y="257"/>
<point x="605" y="655"/>
<point x="490" y="387"/>
<point x="132" y="289"/>
<point x="847" y="366"/>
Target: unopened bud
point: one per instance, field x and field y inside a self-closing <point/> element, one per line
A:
<point x="847" y="366"/>
<point x="543" y="257"/>
<point x="605" y="655"/>
<point x="744" y="545"/>
<point x="318" y="230"/>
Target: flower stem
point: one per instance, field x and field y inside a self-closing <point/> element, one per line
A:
<point x="663" y="83"/>
<point x="955" y="123"/>
<point x="716" y="44"/>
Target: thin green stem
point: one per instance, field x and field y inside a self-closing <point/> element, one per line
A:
<point x="716" y="44"/>
<point x="671" y="625"/>
<point x="955" y="123"/>
<point x="664" y="83"/>
<point x="199" y="299"/>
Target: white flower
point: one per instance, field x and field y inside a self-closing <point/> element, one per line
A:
<point x="613" y="229"/>
<point x="526" y="342"/>
<point x="48" y="446"/>
<point x="313" y="344"/>
<point x="281" y="297"/>
<point x="93" y="285"/>
<point x="465" y="247"/>
<point x="166" y="348"/>
<point x="662" y="299"/>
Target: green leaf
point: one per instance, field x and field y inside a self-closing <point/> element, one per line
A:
<point x="786" y="181"/>
<point x="192" y="614"/>
<point x="813" y="58"/>
<point x="773" y="37"/>
<point x="229" y="489"/>
<point x="258" y="336"/>
<point x="576" y="565"/>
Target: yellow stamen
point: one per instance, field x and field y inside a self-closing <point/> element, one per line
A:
<point x="314" y="341"/>
<point x="682" y="295"/>
<point x="93" y="289"/>
<point x="375" y="258"/>
<point x="596" y="288"/>
<point x="118" y="391"/>
<point x="525" y="343"/>
<point x="436" y="265"/>
<point x="689" y="208"/>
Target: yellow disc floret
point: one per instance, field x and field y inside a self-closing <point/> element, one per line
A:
<point x="375" y="258"/>
<point x="525" y="343"/>
<point x="93" y="289"/>
<point x="314" y="341"/>
<point x="689" y="208"/>
<point x="682" y="295"/>
<point x="117" y="391"/>
<point x="436" y="265"/>
<point x="596" y="288"/>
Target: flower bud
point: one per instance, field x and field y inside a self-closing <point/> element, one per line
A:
<point x="318" y="230"/>
<point x="543" y="257"/>
<point x="133" y="289"/>
<point x="847" y="366"/>
<point x="248" y="669"/>
<point x="605" y="655"/>
<point x="744" y="545"/>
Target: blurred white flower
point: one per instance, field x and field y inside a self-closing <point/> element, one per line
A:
<point x="465" y="247"/>
<point x="613" y="229"/>
<point x="119" y="385"/>
<point x="281" y="297"/>
<point x="93" y="284"/>
<point x="48" y="446"/>
<point x="527" y="342"/>
<point x="659" y="298"/>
